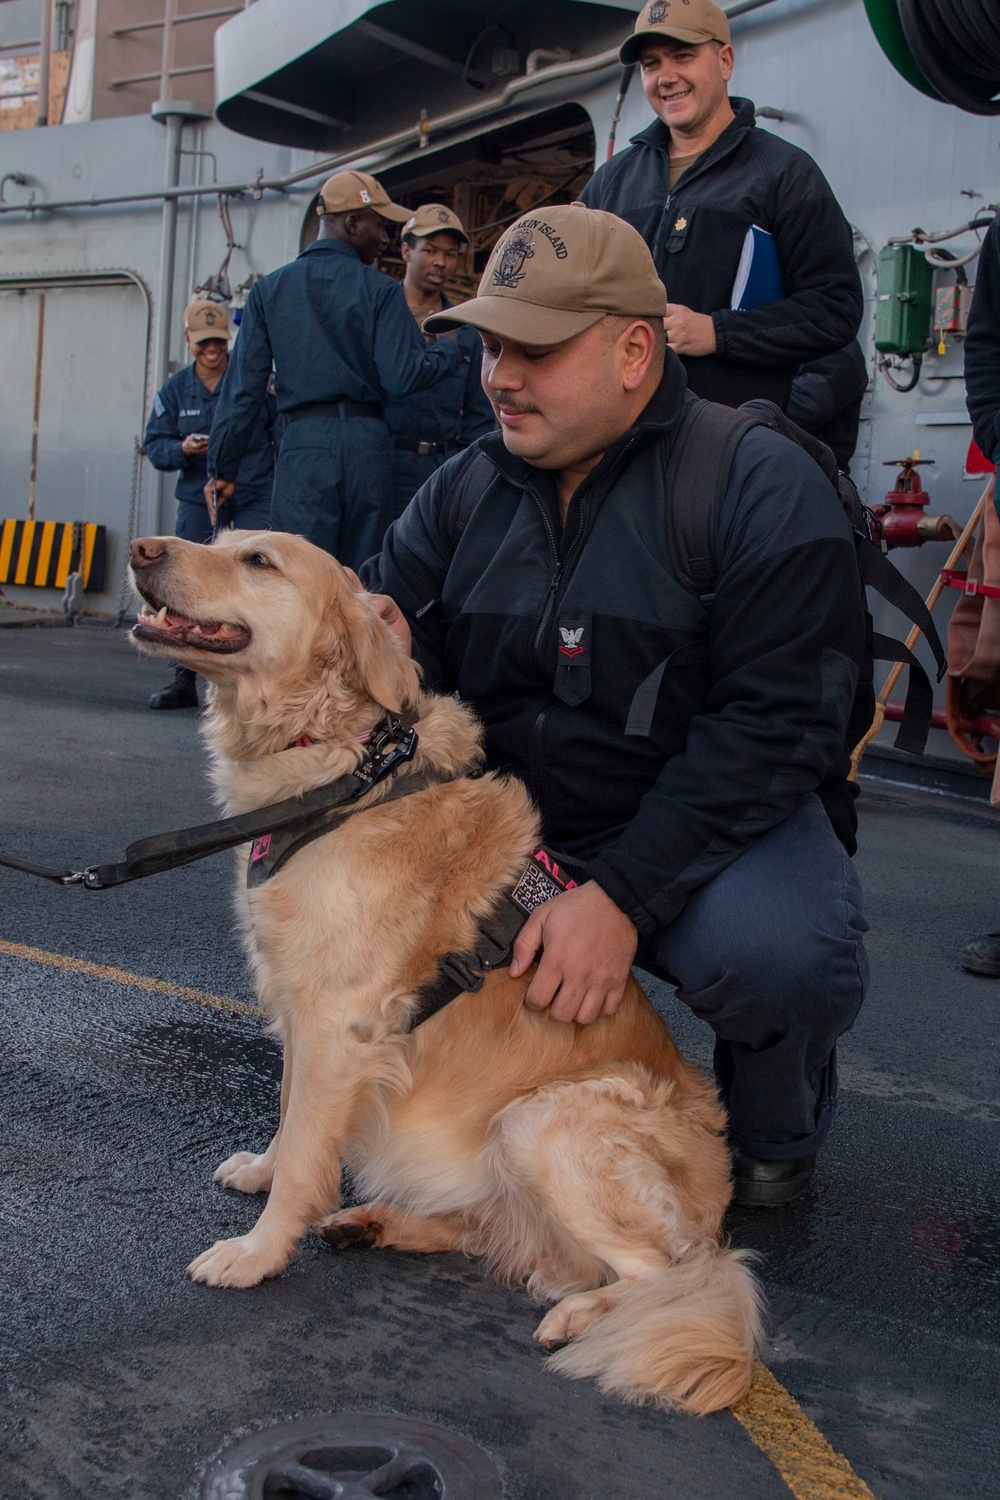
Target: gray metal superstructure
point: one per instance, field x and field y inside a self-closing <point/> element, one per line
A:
<point x="346" y="82"/>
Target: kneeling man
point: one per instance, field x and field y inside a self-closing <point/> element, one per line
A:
<point x="534" y="576"/>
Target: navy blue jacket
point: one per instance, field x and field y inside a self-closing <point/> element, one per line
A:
<point x="696" y="234"/>
<point x="982" y="347"/>
<point x="453" y="413"/>
<point x="334" y="329"/>
<point x="184" y="406"/>
<point x="548" y="632"/>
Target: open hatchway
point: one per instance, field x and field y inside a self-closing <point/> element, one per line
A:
<point x="491" y="181"/>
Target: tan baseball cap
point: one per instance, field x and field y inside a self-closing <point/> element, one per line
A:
<point x="205" y="319"/>
<point x="434" y="218"/>
<point x="558" y="271"/>
<point x="678" y="20"/>
<point x="352" y="190"/>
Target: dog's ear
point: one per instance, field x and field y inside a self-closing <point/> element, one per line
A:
<point x="384" y="671"/>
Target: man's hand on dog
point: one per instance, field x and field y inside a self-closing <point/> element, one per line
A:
<point x="588" y="944"/>
<point x="388" y="610"/>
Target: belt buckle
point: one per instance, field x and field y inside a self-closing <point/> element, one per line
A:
<point x="425" y="448"/>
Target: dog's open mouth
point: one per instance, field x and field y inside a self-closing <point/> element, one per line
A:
<point x="168" y="628"/>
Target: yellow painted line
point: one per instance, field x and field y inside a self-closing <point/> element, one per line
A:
<point x="772" y="1417"/>
<point x="122" y="976"/>
<point x="799" y="1451"/>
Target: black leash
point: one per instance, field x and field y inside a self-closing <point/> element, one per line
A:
<point x="282" y="829"/>
<point x="391" y="745"/>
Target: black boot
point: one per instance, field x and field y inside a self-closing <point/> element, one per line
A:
<point x="769" y="1184"/>
<point x="982" y="955"/>
<point x="181" y="693"/>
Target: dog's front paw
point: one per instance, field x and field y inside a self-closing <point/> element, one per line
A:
<point x="239" y="1262"/>
<point x="245" y="1172"/>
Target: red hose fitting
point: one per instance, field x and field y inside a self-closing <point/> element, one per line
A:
<point x="902" y="517"/>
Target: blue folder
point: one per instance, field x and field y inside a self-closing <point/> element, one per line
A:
<point x="758" y="279"/>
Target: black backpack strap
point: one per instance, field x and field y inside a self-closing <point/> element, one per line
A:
<point x="769" y="414"/>
<point x="881" y="575"/>
<point x="697" y="476"/>
<point x="919" y="705"/>
<point x="464" y="495"/>
<point x="701" y="457"/>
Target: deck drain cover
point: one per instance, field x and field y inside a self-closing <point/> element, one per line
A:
<point x="353" y="1456"/>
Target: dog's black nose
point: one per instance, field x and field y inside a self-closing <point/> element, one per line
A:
<point x="146" y="550"/>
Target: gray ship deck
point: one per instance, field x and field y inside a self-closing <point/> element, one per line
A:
<point x="121" y="1378"/>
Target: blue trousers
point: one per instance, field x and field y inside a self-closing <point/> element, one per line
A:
<point x="333" y="485"/>
<point x="771" y="954"/>
<point x="409" y="472"/>
<point x="246" y="515"/>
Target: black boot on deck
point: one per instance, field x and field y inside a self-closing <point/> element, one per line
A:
<point x="770" y="1184"/>
<point x="982" y="955"/>
<point x="181" y="693"/>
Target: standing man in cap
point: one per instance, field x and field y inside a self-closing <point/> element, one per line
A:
<point x="177" y="436"/>
<point x="689" y="749"/>
<point x="343" y="344"/>
<point x="430" y="426"/>
<point x="750" y="243"/>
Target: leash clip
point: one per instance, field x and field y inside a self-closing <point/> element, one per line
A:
<point x="404" y="747"/>
<point x="88" y="878"/>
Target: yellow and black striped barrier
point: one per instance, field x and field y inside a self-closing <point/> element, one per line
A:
<point x="42" y="554"/>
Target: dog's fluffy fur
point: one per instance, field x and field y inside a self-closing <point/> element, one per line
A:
<point x="585" y="1161"/>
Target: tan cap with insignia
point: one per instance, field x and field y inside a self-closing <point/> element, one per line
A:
<point x="434" y="218"/>
<point x="348" y="191"/>
<point x="693" y="21"/>
<point x="558" y="271"/>
<point x="205" y="319"/>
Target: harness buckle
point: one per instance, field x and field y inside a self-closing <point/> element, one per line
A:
<point x="73" y="877"/>
<point x="91" y="880"/>
<point x="404" y="747"/>
<point x="457" y="968"/>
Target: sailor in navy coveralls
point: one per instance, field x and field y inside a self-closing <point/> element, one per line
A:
<point x="343" y="344"/>
<point x="177" y="438"/>
<point x="431" y="425"/>
<point x="181" y="420"/>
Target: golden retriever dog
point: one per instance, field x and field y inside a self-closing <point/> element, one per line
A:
<point x="587" y="1162"/>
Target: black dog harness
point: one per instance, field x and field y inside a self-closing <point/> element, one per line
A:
<point x="545" y="875"/>
<point x="279" y="831"/>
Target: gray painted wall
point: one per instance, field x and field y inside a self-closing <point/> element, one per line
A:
<point x="894" y="158"/>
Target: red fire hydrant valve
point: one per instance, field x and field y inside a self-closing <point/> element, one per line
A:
<point x="902" y="518"/>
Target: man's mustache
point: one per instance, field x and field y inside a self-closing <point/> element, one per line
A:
<point x="512" y="406"/>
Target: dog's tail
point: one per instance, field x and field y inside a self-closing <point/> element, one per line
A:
<point x="685" y="1340"/>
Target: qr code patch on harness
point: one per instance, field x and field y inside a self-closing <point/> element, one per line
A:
<point x="533" y="889"/>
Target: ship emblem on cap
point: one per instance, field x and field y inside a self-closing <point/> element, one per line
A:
<point x="657" y="11"/>
<point x="443" y="216"/>
<point x="209" y="316"/>
<point x="510" y="267"/>
<point x="364" y="196"/>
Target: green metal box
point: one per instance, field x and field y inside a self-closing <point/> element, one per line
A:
<point x="903" y="302"/>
